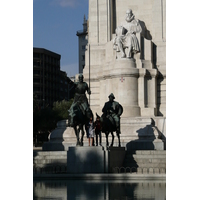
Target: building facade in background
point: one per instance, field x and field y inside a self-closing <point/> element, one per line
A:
<point x="50" y="84"/>
<point x="66" y="86"/>
<point x="82" y="42"/>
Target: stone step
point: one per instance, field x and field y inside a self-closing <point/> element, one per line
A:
<point x="49" y="153"/>
<point x="143" y="156"/>
<point x="150" y="152"/>
<point x="48" y="161"/>
<point x="146" y="161"/>
<point x="147" y="152"/>
<point x="49" y="157"/>
<point x="145" y="165"/>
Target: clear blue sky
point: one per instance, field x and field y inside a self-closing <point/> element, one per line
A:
<point x="55" y="23"/>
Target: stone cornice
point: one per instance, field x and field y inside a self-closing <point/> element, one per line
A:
<point x="110" y="76"/>
<point x="142" y="72"/>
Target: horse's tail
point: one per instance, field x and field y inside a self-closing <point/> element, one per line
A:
<point x="120" y="111"/>
<point x="97" y="116"/>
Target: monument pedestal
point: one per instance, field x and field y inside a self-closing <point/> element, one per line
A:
<point x="116" y="157"/>
<point x="85" y="160"/>
<point x="140" y="133"/>
<point x="94" y="159"/>
<point x="137" y="133"/>
<point x="145" y="145"/>
<point x="60" y="138"/>
<point x="120" y="78"/>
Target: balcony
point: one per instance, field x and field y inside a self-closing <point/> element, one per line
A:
<point x="80" y="32"/>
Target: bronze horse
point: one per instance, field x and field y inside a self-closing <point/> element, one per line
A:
<point x="80" y="121"/>
<point x="108" y="126"/>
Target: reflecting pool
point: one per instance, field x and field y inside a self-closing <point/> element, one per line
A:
<point x="98" y="190"/>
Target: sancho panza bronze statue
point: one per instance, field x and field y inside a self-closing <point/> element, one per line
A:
<point x="114" y="109"/>
<point x="80" y="100"/>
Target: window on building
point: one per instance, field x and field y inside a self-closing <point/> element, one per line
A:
<point x="36" y="55"/>
<point x="36" y="72"/>
<point x="36" y="63"/>
<point x="36" y="80"/>
<point x="83" y="47"/>
<point x="83" y="57"/>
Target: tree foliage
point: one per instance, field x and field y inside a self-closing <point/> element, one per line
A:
<point x="61" y="109"/>
<point x="45" y="120"/>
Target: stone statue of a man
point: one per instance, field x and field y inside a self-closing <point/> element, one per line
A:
<point x="126" y="35"/>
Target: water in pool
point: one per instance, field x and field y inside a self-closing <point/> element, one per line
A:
<point x="98" y="190"/>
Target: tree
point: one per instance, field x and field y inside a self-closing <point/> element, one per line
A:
<point x="61" y="109"/>
<point x="45" y="120"/>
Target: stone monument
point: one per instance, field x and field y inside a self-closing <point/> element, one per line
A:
<point x="126" y="56"/>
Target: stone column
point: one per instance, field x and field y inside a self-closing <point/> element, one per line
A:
<point x="137" y="56"/>
<point x="141" y="88"/>
<point x="152" y="91"/>
<point x="146" y="63"/>
<point x="121" y="79"/>
<point x="93" y="22"/>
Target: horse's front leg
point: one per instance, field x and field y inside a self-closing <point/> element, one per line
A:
<point x="77" y="136"/>
<point x="82" y="134"/>
<point x="107" y="143"/>
<point x="119" y="143"/>
<point x="112" y="138"/>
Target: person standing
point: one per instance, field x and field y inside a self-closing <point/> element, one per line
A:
<point x="97" y="126"/>
<point x="90" y="132"/>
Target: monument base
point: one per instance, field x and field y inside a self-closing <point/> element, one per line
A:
<point x="145" y="145"/>
<point x="57" y="146"/>
<point x="116" y="157"/>
<point x="94" y="159"/>
<point x="143" y="133"/>
<point x="85" y="160"/>
<point x="61" y="138"/>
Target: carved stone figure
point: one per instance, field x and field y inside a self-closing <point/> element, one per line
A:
<point x="126" y="35"/>
<point x="80" y="100"/>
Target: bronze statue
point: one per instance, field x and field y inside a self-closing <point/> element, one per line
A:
<point x="80" y="100"/>
<point x="80" y="112"/>
<point x="110" y="118"/>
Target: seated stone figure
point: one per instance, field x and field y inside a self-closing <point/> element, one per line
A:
<point x="126" y="36"/>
